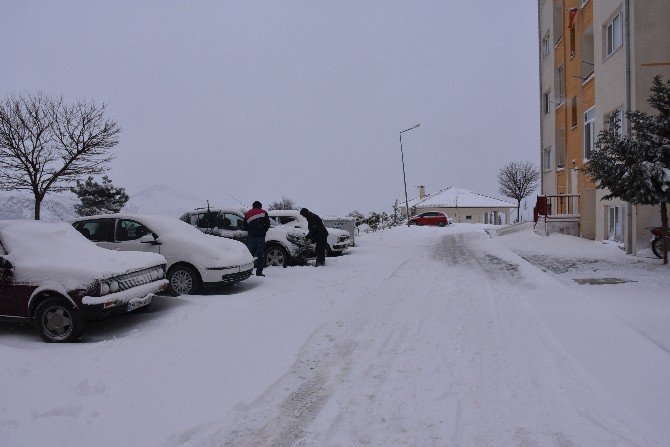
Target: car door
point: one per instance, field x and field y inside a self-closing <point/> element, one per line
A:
<point x="232" y="226"/>
<point x="128" y="233"/>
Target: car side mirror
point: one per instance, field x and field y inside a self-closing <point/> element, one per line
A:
<point x="5" y="264"/>
<point x="150" y="239"/>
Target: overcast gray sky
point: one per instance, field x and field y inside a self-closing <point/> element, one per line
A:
<point x="305" y="99"/>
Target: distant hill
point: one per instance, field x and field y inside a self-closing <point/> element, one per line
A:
<point x="60" y="206"/>
<point x="162" y="200"/>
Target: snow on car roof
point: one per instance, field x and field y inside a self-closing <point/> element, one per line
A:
<point x="42" y="251"/>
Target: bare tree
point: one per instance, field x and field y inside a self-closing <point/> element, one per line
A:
<point x="284" y="204"/>
<point x="518" y="180"/>
<point x="47" y="144"/>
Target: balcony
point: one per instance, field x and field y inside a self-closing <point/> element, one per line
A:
<point x="557" y="214"/>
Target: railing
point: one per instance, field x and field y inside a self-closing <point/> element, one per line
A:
<point x="556" y="206"/>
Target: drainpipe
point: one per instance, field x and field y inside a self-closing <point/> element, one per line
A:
<point x="539" y="83"/>
<point x="631" y="247"/>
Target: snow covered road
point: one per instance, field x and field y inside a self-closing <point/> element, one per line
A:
<point x="418" y="337"/>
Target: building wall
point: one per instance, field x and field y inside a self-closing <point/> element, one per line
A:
<point x="606" y="90"/>
<point x="547" y="128"/>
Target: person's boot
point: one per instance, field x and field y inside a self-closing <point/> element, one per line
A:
<point x="259" y="273"/>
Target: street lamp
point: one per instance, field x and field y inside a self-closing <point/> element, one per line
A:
<point x="404" y="179"/>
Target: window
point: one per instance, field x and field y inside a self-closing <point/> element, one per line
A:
<point x="559" y="86"/>
<point x="546" y="102"/>
<point x="129" y="230"/>
<point x="99" y="230"/>
<point x="614" y="122"/>
<point x="589" y="132"/>
<point x="573" y="111"/>
<point x="546" y="46"/>
<point x="584" y="2"/>
<point x="230" y="221"/>
<point x="547" y="158"/>
<point x="614" y="33"/>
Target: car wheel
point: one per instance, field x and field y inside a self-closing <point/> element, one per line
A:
<point x="184" y="280"/>
<point x="441" y="224"/>
<point x="276" y="255"/>
<point x="657" y="247"/>
<point x="58" y="321"/>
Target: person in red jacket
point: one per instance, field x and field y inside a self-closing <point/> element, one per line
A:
<point x="258" y="222"/>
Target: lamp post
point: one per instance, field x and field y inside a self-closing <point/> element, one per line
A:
<point x="404" y="179"/>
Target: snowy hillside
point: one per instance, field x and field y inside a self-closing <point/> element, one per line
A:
<point x="162" y="200"/>
<point x="20" y="205"/>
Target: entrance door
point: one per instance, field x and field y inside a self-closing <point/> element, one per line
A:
<point x="615" y="224"/>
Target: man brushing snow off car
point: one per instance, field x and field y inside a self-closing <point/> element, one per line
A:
<point x="317" y="233"/>
<point x="258" y="223"/>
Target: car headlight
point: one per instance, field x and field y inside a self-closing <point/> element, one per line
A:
<point x="113" y="286"/>
<point x="295" y="239"/>
<point x="104" y="288"/>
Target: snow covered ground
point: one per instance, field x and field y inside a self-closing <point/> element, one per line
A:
<point x="419" y="336"/>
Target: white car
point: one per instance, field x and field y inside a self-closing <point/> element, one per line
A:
<point x="338" y="240"/>
<point x="193" y="259"/>
<point x="283" y="246"/>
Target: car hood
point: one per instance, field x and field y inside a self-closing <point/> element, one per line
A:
<point x="206" y="250"/>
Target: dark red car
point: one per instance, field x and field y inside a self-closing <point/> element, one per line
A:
<point x="430" y="218"/>
<point x="53" y="277"/>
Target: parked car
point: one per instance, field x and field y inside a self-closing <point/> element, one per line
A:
<point x="430" y="218"/>
<point x="194" y="260"/>
<point x="338" y="240"/>
<point x="53" y="277"/>
<point x="283" y="246"/>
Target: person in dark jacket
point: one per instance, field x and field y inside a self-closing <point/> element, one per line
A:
<point x="317" y="233"/>
<point x="258" y="222"/>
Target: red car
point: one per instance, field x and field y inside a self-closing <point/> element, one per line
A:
<point x="54" y="278"/>
<point x="430" y="218"/>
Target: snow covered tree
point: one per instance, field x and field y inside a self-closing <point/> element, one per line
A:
<point x="99" y="199"/>
<point x="518" y="180"/>
<point x="47" y="144"/>
<point x="358" y="216"/>
<point x="636" y="167"/>
<point x="396" y="217"/>
<point x="284" y="204"/>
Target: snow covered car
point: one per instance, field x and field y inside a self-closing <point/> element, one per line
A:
<point x="56" y="279"/>
<point x="338" y="240"/>
<point x="193" y="259"/>
<point x="430" y="218"/>
<point x="283" y="246"/>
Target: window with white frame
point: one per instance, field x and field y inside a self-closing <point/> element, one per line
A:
<point x="614" y="33"/>
<point x="584" y="2"/>
<point x="547" y="158"/>
<point x="614" y="121"/>
<point x="546" y="46"/>
<point x="546" y="102"/>
<point x="589" y="131"/>
<point x="559" y="86"/>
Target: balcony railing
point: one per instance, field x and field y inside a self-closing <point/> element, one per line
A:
<point x="565" y="205"/>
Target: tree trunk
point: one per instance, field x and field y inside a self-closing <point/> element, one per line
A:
<point x="664" y="231"/>
<point x="518" y="211"/>
<point x="38" y="205"/>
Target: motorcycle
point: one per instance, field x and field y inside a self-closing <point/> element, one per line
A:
<point x="657" y="242"/>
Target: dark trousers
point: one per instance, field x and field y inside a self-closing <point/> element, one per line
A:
<point x="256" y="246"/>
<point x="320" y="250"/>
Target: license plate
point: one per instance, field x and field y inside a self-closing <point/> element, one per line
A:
<point x="139" y="302"/>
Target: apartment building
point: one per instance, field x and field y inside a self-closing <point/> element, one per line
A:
<point x="597" y="59"/>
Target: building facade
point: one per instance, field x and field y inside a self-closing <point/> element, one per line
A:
<point x="597" y="59"/>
